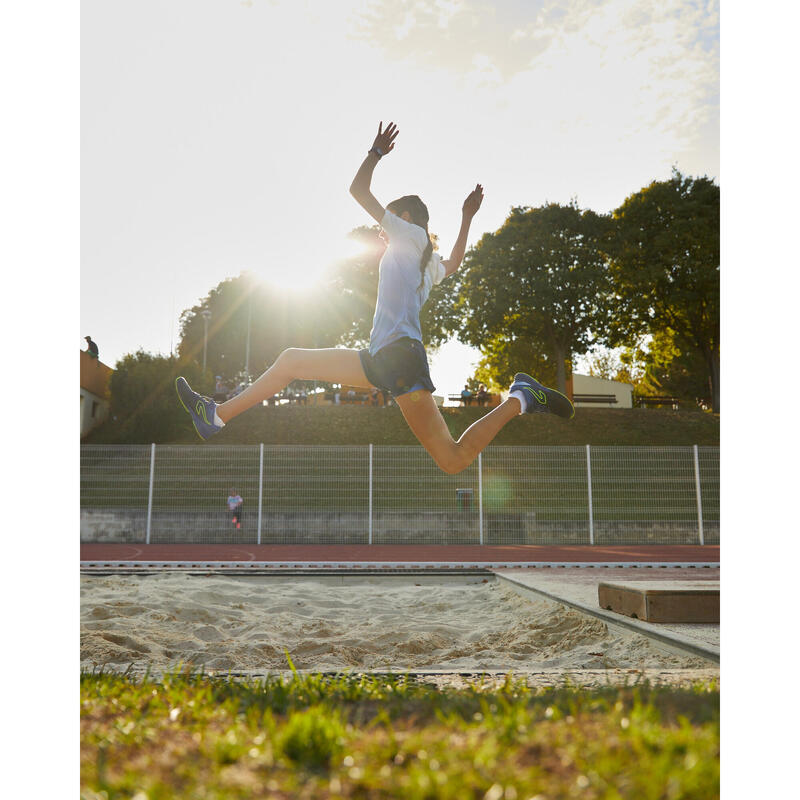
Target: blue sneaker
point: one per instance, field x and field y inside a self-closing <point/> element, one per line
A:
<point x="200" y="409"/>
<point x="541" y="399"/>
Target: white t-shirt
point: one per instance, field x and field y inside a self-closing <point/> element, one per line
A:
<point x="400" y="297"/>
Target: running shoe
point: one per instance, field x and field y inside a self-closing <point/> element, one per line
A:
<point x="540" y="399"/>
<point x="200" y="409"/>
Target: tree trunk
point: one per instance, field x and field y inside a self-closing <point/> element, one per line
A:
<point x="712" y="362"/>
<point x="561" y="371"/>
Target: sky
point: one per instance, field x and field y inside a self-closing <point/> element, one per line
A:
<point x="218" y="137"/>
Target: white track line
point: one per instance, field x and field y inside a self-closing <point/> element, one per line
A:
<point x="245" y="566"/>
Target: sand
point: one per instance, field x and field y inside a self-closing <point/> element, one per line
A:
<point x="241" y="624"/>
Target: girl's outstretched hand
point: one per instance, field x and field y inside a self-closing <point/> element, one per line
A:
<point x="473" y="201"/>
<point x="384" y="141"/>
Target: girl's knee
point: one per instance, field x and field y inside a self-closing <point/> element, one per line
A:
<point x="452" y="463"/>
<point x="287" y="360"/>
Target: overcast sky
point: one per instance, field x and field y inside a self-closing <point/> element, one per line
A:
<point x="222" y="135"/>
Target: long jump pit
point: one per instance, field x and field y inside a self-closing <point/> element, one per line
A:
<point x="434" y="614"/>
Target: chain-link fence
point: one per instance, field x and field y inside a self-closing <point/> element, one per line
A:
<point x="397" y="495"/>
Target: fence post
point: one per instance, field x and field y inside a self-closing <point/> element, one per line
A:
<point x="260" y="487"/>
<point x="150" y="491"/>
<point x="370" y="494"/>
<point x="480" y="498"/>
<point x="697" y="492"/>
<point x="589" y="484"/>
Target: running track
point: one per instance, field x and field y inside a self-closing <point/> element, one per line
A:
<point x="400" y="553"/>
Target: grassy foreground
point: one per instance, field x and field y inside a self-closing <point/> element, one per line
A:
<point x="190" y="735"/>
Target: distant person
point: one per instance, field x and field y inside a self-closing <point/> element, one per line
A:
<point x="235" y="504"/>
<point x="395" y="359"/>
<point x="374" y="397"/>
<point x="466" y="395"/>
<point x="302" y="397"/>
<point x="483" y="396"/>
<point x="91" y="347"/>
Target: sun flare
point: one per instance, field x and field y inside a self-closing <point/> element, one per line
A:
<point x="308" y="265"/>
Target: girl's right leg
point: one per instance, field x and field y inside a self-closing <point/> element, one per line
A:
<point x="426" y="422"/>
<point x="332" y="365"/>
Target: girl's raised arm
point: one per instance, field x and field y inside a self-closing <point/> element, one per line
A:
<point x="360" y="187"/>
<point x="468" y="211"/>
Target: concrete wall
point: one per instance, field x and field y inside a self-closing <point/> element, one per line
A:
<point x="213" y="527"/>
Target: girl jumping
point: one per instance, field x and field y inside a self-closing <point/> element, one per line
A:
<point x="395" y="361"/>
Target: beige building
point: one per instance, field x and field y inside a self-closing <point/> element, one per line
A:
<point x="586" y="391"/>
<point x="94" y="392"/>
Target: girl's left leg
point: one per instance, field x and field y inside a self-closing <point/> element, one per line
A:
<point x="333" y="365"/>
<point x="426" y="421"/>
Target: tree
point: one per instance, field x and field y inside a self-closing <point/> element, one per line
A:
<point x="144" y="406"/>
<point x="251" y="323"/>
<point x="502" y="357"/>
<point x="662" y="368"/>
<point x="338" y="310"/>
<point x="535" y="290"/>
<point x="664" y="254"/>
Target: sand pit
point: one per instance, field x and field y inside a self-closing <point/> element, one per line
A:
<point x="227" y="623"/>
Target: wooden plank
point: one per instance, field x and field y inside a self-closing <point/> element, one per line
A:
<point x="662" y="601"/>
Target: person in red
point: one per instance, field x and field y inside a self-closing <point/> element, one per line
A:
<point x="235" y="503"/>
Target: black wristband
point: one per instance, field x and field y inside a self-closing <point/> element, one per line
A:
<point x="376" y="151"/>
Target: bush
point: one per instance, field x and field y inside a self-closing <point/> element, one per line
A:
<point x="144" y="405"/>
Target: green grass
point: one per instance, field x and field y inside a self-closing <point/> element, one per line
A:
<point x="345" y="425"/>
<point x="365" y="425"/>
<point x="190" y="735"/>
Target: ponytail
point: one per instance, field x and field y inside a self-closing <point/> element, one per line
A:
<point x="426" y="257"/>
<point x="418" y="212"/>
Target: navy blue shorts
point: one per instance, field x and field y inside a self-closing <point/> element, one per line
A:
<point x="398" y="368"/>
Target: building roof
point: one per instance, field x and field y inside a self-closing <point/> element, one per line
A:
<point x="94" y="375"/>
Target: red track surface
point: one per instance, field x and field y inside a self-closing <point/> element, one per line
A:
<point x="396" y="553"/>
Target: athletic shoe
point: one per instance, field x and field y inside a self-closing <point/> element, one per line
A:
<point x="540" y="399"/>
<point x="200" y="409"/>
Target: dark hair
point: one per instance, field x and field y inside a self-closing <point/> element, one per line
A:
<point x="418" y="212"/>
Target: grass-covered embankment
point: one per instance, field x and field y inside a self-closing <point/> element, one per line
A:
<point x="357" y="425"/>
<point x="385" y="736"/>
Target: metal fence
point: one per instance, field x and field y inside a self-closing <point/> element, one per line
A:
<point x="397" y="495"/>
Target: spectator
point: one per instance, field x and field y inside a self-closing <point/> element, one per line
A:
<point x="220" y="390"/>
<point x="303" y="397"/>
<point x="374" y="397"/>
<point x="351" y="395"/>
<point x="337" y="397"/>
<point x="289" y="394"/>
<point x="235" y="503"/>
<point x="466" y="395"/>
<point x="91" y="348"/>
<point x="483" y="396"/>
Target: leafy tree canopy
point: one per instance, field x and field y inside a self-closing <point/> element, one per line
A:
<point x="535" y="288"/>
<point x="144" y="406"/>
<point x="665" y="256"/>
